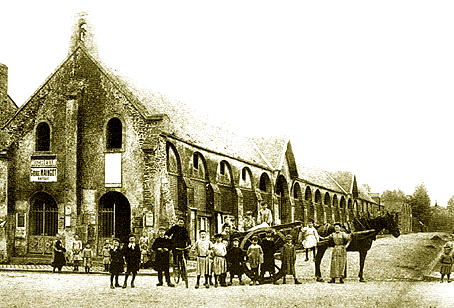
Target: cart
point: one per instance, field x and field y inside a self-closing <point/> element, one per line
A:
<point x="280" y="232"/>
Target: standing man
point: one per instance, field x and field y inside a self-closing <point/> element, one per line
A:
<point x="180" y="238"/>
<point x="162" y="246"/>
<point x="132" y="258"/>
<point x="264" y="214"/>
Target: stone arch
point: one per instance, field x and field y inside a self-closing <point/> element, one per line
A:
<point x="350" y="211"/>
<point x="224" y="179"/>
<point x="114" y="216"/>
<point x="320" y="211"/>
<point x="43" y="215"/>
<point x="177" y="185"/>
<point x="342" y="206"/>
<point x="283" y="199"/>
<point x="309" y="204"/>
<point x="265" y="188"/>
<point x="337" y="217"/>
<point x="246" y="182"/>
<point x="299" y="204"/>
<point x="328" y="206"/>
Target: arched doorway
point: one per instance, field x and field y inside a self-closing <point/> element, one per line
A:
<point x="283" y="200"/>
<point x="114" y="216"/>
<point x="43" y="223"/>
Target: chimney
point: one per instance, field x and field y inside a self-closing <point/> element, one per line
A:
<point x="3" y="83"/>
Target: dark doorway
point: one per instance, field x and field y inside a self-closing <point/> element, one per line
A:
<point x="114" y="216"/>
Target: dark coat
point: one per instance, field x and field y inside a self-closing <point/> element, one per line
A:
<point x="132" y="258"/>
<point x="161" y="257"/>
<point x="59" y="255"/>
<point x="269" y="248"/>
<point x="179" y="236"/>
<point x="116" y="261"/>
<point x="235" y="258"/>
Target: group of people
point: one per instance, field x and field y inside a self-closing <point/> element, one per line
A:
<point x="214" y="259"/>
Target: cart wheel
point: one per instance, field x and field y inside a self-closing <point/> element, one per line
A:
<point x="279" y="239"/>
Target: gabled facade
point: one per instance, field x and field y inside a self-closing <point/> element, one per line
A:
<point x="90" y="153"/>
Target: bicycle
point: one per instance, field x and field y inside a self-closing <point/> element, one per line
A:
<point x="180" y="268"/>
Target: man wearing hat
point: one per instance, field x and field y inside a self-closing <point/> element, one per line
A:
<point x="162" y="247"/>
<point x="132" y="255"/>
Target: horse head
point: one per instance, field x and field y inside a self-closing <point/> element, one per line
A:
<point x="392" y="225"/>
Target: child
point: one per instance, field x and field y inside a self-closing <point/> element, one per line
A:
<point x="235" y="258"/>
<point x="116" y="263"/>
<point x="289" y="258"/>
<point x="219" y="262"/>
<point x="106" y="255"/>
<point x="202" y="249"/>
<point x="255" y="257"/>
<point x="132" y="258"/>
<point x="162" y="246"/>
<point x="86" y="255"/>
<point x="311" y="239"/>
<point x="77" y="252"/>
<point x="446" y="261"/>
<point x="269" y="248"/>
<point x="143" y="244"/>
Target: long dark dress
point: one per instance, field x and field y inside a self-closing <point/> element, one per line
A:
<point x="116" y="261"/>
<point x="268" y="247"/>
<point x="162" y="257"/>
<point x="59" y="255"/>
<point x="288" y="259"/>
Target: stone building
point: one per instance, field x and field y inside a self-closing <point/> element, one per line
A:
<point x="93" y="154"/>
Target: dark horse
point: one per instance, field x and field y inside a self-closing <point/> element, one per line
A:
<point x="365" y="231"/>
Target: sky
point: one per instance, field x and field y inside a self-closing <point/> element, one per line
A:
<point x="360" y="86"/>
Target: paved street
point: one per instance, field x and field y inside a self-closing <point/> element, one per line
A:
<point x="26" y="289"/>
<point x="394" y="269"/>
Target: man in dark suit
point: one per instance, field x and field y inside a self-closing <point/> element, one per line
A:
<point x="132" y="258"/>
<point x="162" y="247"/>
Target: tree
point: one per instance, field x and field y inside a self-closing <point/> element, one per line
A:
<point x="450" y="206"/>
<point x="393" y="200"/>
<point x="420" y="204"/>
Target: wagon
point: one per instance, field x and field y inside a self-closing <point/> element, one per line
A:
<point x="280" y="232"/>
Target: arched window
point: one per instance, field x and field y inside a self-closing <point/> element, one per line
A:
<point x="43" y="215"/>
<point x="114" y="134"/>
<point x="43" y="137"/>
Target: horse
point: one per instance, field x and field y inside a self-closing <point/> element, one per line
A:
<point x="365" y="232"/>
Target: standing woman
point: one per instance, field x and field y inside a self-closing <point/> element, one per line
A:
<point x="339" y="257"/>
<point x="58" y="254"/>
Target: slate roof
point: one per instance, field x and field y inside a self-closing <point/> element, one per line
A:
<point x="319" y="177"/>
<point x="187" y="123"/>
<point x="345" y="179"/>
<point x="273" y="148"/>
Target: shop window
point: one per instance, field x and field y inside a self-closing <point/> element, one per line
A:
<point x="114" y="134"/>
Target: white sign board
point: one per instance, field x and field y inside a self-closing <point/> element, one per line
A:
<point x="43" y="170"/>
<point x="112" y="169"/>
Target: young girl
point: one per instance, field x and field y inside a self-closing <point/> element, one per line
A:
<point x="255" y="258"/>
<point x="77" y="253"/>
<point x="87" y="254"/>
<point x="446" y="261"/>
<point x="116" y="263"/>
<point x="202" y="250"/>
<point x="219" y="262"/>
<point x="106" y="255"/>
<point x="311" y="239"/>
<point x="289" y="258"/>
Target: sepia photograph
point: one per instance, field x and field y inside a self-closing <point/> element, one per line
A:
<point x="226" y="154"/>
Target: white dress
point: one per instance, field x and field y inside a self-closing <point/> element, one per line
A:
<point x="310" y="237"/>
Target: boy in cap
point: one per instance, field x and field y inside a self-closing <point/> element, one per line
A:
<point x="255" y="258"/>
<point x="289" y="258"/>
<point x="116" y="263"/>
<point x="269" y="248"/>
<point x="162" y="246"/>
<point x="235" y="259"/>
<point x="202" y="248"/>
<point x="132" y="258"/>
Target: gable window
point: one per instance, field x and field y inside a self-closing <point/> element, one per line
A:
<point x="43" y="137"/>
<point x="114" y="134"/>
